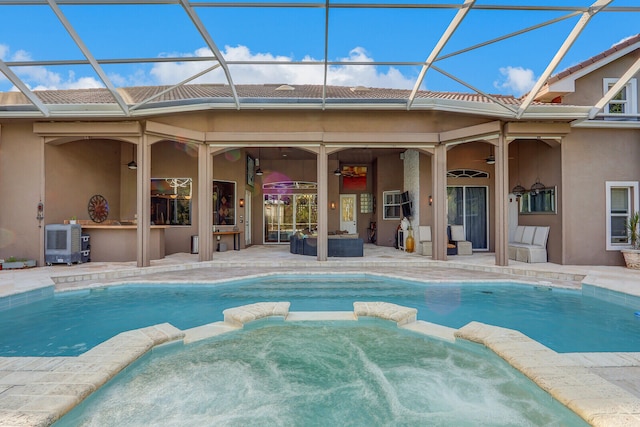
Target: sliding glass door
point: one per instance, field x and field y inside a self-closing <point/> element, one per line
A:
<point x="468" y="206"/>
<point x="278" y="218"/>
<point x="306" y="212"/>
<point x="284" y="214"/>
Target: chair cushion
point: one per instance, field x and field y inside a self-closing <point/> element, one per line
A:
<point x="457" y="233"/>
<point x="540" y="237"/>
<point x="519" y="232"/>
<point x="425" y="233"/>
<point x="527" y="236"/>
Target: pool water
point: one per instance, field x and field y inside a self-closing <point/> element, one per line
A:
<point x="72" y="322"/>
<point x="324" y="374"/>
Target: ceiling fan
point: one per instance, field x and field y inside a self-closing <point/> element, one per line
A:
<point x="490" y="159"/>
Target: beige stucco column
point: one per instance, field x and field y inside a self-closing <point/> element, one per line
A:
<point x="439" y="178"/>
<point x="143" y="201"/>
<point x="323" y="204"/>
<point x="501" y="204"/>
<point x="205" y="203"/>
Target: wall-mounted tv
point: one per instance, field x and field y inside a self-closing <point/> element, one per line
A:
<point x="406" y="209"/>
<point x="404" y="197"/>
<point x="406" y="204"/>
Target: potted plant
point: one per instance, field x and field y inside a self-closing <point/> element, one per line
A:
<point x="17" y="263"/>
<point x="632" y="255"/>
<point x="73" y="220"/>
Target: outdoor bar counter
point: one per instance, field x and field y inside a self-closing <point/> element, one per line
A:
<point x="115" y="242"/>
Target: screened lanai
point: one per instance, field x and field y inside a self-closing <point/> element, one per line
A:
<point x="448" y="85"/>
<point x="131" y="58"/>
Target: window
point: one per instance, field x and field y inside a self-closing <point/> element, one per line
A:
<point x="538" y="202"/>
<point x="392" y="208"/>
<point x="624" y="103"/>
<point x="466" y="173"/>
<point x="622" y="201"/>
<point x="171" y="201"/>
<point x="366" y="203"/>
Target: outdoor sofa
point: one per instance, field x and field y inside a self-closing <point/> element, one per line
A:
<point x="339" y="245"/>
<point x="529" y="244"/>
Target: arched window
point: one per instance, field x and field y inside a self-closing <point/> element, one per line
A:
<point x="467" y="173"/>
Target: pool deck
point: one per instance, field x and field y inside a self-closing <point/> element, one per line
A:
<point x="603" y="388"/>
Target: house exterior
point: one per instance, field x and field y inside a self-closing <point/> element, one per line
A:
<point x="457" y="156"/>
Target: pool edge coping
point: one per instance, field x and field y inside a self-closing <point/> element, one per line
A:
<point x="67" y="381"/>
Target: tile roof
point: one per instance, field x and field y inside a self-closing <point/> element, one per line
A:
<point x="134" y="95"/>
<point x="599" y="57"/>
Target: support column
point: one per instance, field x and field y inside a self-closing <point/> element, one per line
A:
<point x="439" y="178"/>
<point x="143" y="201"/>
<point x="412" y="185"/>
<point x="501" y="202"/>
<point x="323" y="204"/>
<point x="205" y="203"/>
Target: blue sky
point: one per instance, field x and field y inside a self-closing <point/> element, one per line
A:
<point x="297" y="34"/>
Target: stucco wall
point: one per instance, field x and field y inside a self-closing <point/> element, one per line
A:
<point x="540" y="161"/>
<point x="589" y="89"/>
<point x="389" y="180"/>
<point x="321" y="121"/>
<point x="78" y="170"/>
<point x="590" y="158"/>
<point x="21" y="170"/>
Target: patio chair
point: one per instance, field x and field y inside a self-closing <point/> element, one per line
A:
<point x="424" y="236"/>
<point x="463" y="246"/>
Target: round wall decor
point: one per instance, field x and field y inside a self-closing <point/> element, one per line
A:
<point x="98" y="208"/>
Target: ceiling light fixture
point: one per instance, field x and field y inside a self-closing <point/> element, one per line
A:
<point x="518" y="190"/>
<point x="132" y="164"/>
<point x="258" y="170"/>
<point x="537" y="186"/>
<point x="337" y="172"/>
<point x="491" y="159"/>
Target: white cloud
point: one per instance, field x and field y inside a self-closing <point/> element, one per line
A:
<point x="42" y="78"/>
<point x="165" y="73"/>
<point x="366" y="75"/>
<point x="4" y="51"/>
<point x="516" y="80"/>
<point x="282" y="72"/>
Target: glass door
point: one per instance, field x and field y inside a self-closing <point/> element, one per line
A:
<point x="278" y="218"/>
<point x="469" y="206"/>
<point x="306" y="212"/>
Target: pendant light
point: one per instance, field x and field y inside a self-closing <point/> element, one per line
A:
<point x="132" y="164"/>
<point x="537" y="186"/>
<point x="518" y="190"/>
<point x="337" y="172"/>
<point x="258" y="170"/>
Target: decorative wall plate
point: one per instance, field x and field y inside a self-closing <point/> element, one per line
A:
<point x="98" y="208"/>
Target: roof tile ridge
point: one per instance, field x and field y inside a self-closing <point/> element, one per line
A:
<point x="629" y="41"/>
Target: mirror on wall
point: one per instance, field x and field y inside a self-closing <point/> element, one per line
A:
<point x="171" y="201"/>
<point x="224" y="202"/>
<point x="539" y="202"/>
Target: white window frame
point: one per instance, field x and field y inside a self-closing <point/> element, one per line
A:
<point x="392" y="198"/>
<point x="631" y="103"/>
<point x="632" y="186"/>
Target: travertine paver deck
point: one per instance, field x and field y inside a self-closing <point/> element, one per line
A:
<point x="37" y="391"/>
<point x="564" y="376"/>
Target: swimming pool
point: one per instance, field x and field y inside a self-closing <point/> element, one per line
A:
<point x="321" y="373"/>
<point x="73" y="322"/>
